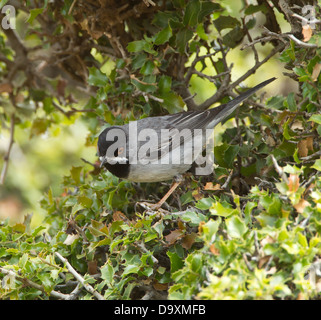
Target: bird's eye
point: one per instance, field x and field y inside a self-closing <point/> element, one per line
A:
<point x="120" y="150"/>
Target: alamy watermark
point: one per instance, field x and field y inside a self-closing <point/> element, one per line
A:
<point x="308" y="15"/>
<point x="9" y="20"/>
<point x="167" y="146"/>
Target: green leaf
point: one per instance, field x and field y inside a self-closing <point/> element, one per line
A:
<point x="218" y="209"/>
<point x="193" y="218"/>
<point x="315" y="118"/>
<point x="23" y="260"/>
<point x="290" y="102"/>
<point x="317" y="165"/>
<point x="195" y="261"/>
<point x="178" y="3"/>
<point x="176" y="261"/>
<point x="165" y="84"/>
<point x="234" y="37"/>
<point x="148" y="84"/>
<point x="248" y="210"/>
<point x="39" y="126"/>
<point x="163" y="36"/>
<point x="131" y="268"/>
<point x="96" y="77"/>
<point x="210" y="228"/>
<point x="205" y="203"/>
<point x="107" y="273"/>
<point x="147" y="68"/>
<point x="33" y="14"/>
<point x="139" y="60"/>
<point x="136" y="46"/>
<point x="172" y="102"/>
<point x="182" y="38"/>
<point x="186" y="197"/>
<point x="225" y="22"/>
<point x="141" y="45"/>
<point x="75" y="173"/>
<point x="2" y="3"/>
<point x="235" y="227"/>
<point x="191" y="13"/>
<point x="225" y="154"/>
<point x="276" y="102"/>
<point x="85" y="201"/>
<point x="255" y="8"/>
<point x="207" y="7"/>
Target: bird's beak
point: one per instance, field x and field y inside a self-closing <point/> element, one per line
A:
<point x="103" y="160"/>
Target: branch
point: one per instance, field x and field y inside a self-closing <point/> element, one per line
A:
<point x="87" y="286"/>
<point x="280" y="36"/>
<point x="279" y="170"/>
<point x="30" y="283"/>
<point x="7" y="155"/>
<point x="306" y="21"/>
<point x="312" y="156"/>
<point x="258" y="64"/>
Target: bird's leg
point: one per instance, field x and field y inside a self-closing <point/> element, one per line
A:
<point x="175" y="184"/>
<point x="177" y="181"/>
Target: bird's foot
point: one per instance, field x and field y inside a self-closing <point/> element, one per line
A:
<point x="152" y="208"/>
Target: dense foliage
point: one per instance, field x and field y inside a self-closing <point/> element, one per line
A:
<point x="251" y="230"/>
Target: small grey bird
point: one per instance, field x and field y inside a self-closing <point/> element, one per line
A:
<point x="151" y="149"/>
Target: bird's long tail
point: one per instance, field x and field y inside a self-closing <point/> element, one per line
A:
<point x="223" y="111"/>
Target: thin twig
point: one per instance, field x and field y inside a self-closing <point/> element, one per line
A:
<point x="312" y="156"/>
<point x="277" y="49"/>
<point x="306" y="21"/>
<point x="87" y="286"/>
<point x="143" y="248"/>
<point x="279" y="170"/>
<point x="72" y="7"/>
<point x="32" y="284"/>
<point x="7" y="155"/>
<point x="224" y="186"/>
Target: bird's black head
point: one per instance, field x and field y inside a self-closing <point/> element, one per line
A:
<point x="112" y="151"/>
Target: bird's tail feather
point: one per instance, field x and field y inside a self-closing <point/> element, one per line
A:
<point x="225" y="110"/>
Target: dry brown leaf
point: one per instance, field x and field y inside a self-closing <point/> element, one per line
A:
<point x="263" y="261"/>
<point x="200" y="227"/>
<point x="197" y="194"/>
<point x="316" y="71"/>
<point x="19" y="98"/>
<point x="70" y="239"/>
<point x="307" y="33"/>
<point x="174" y="236"/>
<point x="210" y="186"/>
<point x="92" y="267"/>
<point x="266" y="240"/>
<point x="181" y="225"/>
<point x="304" y="146"/>
<point x="272" y="270"/>
<point x="294" y="182"/>
<point x="297" y="125"/>
<point x="270" y="141"/>
<point x="310" y="143"/>
<point x="160" y="286"/>
<point x="300" y="296"/>
<point x="119" y="216"/>
<point x="188" y="240"/>
<point x="5" y="87"/>
<point x="301" y="205"/>
<point x="214" y="250"/>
